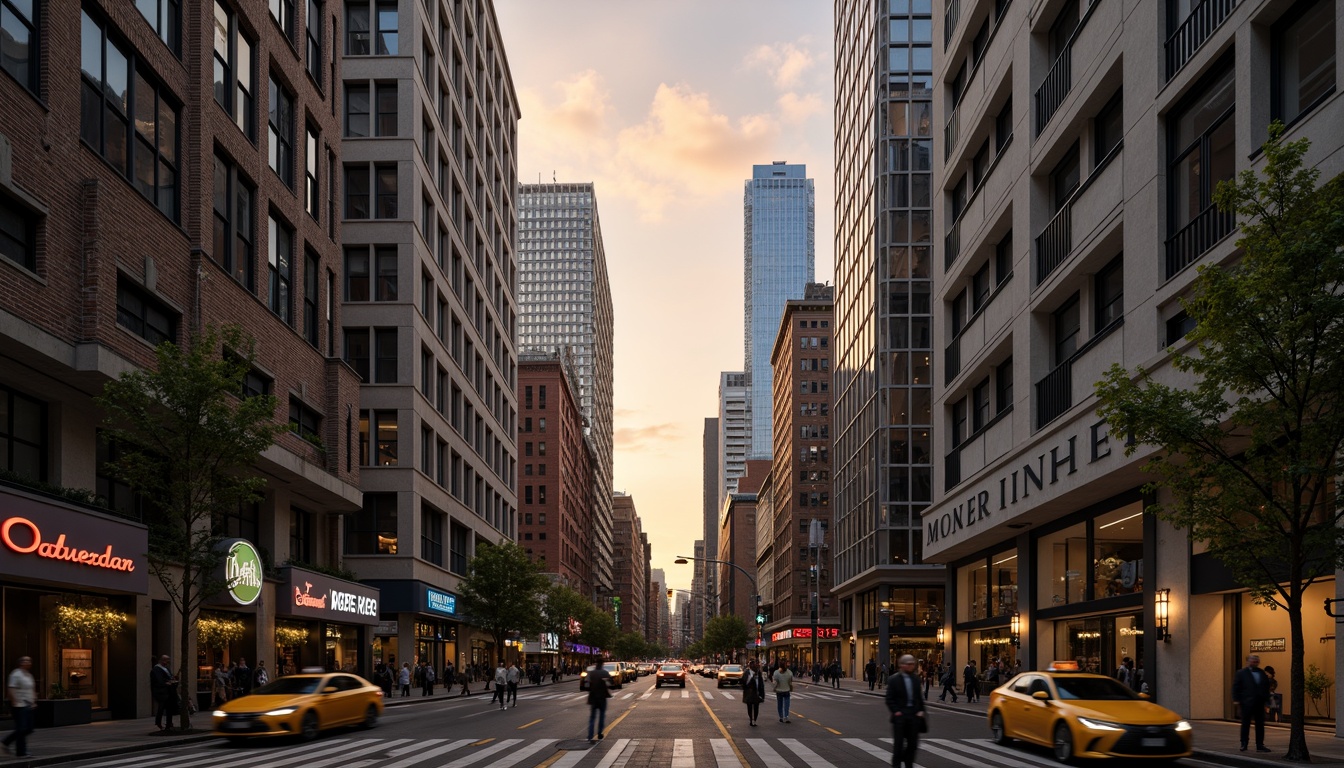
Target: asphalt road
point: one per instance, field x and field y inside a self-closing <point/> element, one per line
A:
<point x="667" y="728"/>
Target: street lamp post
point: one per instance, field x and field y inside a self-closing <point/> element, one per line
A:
<point x="756" y="592"/>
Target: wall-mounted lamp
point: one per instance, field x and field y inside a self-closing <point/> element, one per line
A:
<point x="884" y="607"/>
<point x="1015" y="629"/>
<point x="942" y="636"/>
<point x="1161" y="614"/>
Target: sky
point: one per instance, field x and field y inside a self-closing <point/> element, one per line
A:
<point x="665" y="106"/>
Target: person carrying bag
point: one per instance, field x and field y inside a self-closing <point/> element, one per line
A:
<point x="753" y="691"/>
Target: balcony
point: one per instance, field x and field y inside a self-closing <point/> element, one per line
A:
<point x="952" y="359"/>
<point x="1197" y="237"/>
<point x="951" y="132"/>
<point x="1054" y="243"/>
<point x="1197" y="27"/>
<point x="950" y="19"/>
<point x="1054" y="393"/>
<point x="1056" y="86"/>
<point x="952" y="245"/>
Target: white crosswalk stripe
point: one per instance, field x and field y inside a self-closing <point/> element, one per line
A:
<point x="628" y="695"/>
<point x="418" y="745"/>
<point x="477" y="756"/>
<point x="615" y="752"/>
<point x="708" y="694"/>
<point x="767" y="753"/>
<point x="647" y="694"/>
<point x="943" y="749"/>
<point x="667" y="694"/>
<point x="727" y="696"/>
<point x="881" y="754"/>
<point x="683" y="753"/>
<point x="989" y="748"/>
<point x="685" y="694"/>
<point x="428" y="754"/>
<point x="522" y="753"/>
<point x="724" y="757"/>
<point x="812" y="759"/>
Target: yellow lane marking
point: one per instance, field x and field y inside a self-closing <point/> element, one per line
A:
<point x="548" y="761"/>
<point x="618" y="720"/>
<point x="482" y="741"/>
<point x="719" y="723"/>
<point x="529" y="725"/>
<point x="810" y="720"/>
<point x="832" y="730"/>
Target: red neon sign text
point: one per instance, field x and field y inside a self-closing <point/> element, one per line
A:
<point x="57" y="550"/>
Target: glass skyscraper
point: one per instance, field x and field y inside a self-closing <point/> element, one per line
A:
<point x="779" y="211"/>
<point x="883" y="346"/>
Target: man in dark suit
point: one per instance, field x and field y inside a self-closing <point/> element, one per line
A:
<point x="163" y="689"/>
<point x="1250" y="689"/>
<point x="905" y="701"/>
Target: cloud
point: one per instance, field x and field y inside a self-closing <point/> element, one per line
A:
<point x="787" y="63"/>
<point x="795" y="108"/>
<point x="649" y="436"/>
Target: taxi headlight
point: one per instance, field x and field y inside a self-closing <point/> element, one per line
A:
<point x="220" y="713"/>
<point x="1100" y="725"/>
<point x="1184" y="725"/>
<point x="281" y="712"/>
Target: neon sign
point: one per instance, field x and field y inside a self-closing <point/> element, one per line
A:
<point x="805" y="633"/>
<point x="58" y="550"/>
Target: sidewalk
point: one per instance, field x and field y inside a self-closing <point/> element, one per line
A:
<point x="116" y="737"/>
<point x="1215" y="740"/>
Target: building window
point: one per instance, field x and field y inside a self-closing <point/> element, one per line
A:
<point x="385" y="100"/>
<point x="283" y="13"/>
<point x="359" y="110"/>
<point x="18" y="233"/>
<point x="980" y="288"/>
<point x="1108" y="129"/>
<point x="357" y="273"/>
<point x="1003" y="126"/>
<point x="1179" y="326"/>
<point x="385" y="356"/>
<point x="1304" y="58"/>
<point x="958" y="312"/>
<point x="233" y="227"/>
<point x="363" y="39"/>
<point x="256" y="384"/>
<point x="19" y="43"/>
<point x="23" y="435"/>
<point x="165" y="16"/>
<point x="233" y="71"/>
<point x="279" y="269"/>
<point x="378" y="438"/>
<point x="958" y="422"/>
<point x="385" y="265"/>
<point x="1203" y="147"/>
<point x="360" y="187"/>
<point x="310" y="297"/>
<point x="385" y="192"/>
<point x="120" y="496"/>
<point x="144" y="315"/>
<point x="357" y="351"/>
<point x="431" y="535"/>
<point x="280" y="131"/>
<point x="1003" y="258"/>
<point x="312" y="200"/>
<point x="458" y="539"/>
<point x="1109" y="293"/>
<point x="980" y="404"/>
<point x="242" y="522"/>
<point x="115" y="94"/>
<point x="331" y="313"/>
<point x="1064" y="178"/>
<point x="357" y="192"/>
<point x="315" y="41"/>
<point x="1003" y="386"/>
<point x="301" y="535"/>
<point x="1067" y="324"/>
<point x="304" y="421"/>
<point x="373" y="529"/>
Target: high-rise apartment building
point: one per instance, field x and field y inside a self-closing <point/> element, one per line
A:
<point x="555" y="502"/>
<point x="800" y="485"/>
<point x="631" y="580"/>
<point x="779" y="258"/>
<point x="146" y="192"/>
<point x="659" y="611"/>
<point x="564" y="299"/>
<point x="695" y="623"/>
<point x="734" y="433"/>
<point x="1085" y="141"/>
<point x="883" y="326"/>
<point x="429" y="174"/>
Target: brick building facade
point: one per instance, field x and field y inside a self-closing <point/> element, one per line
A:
<point x="630" y="575"/>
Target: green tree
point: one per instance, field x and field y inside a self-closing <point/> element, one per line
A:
<point x="726" y="634"/>
<point x="502" y="592"/>
<point x="695" y="650"/>
<point x="1250" y="451"/>
<point x="599" y="630"/>
<point x="187" y="441"/>
<point x="559" y="605"/>
<point x="630" y="646"/>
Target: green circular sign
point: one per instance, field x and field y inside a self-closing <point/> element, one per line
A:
<point x="242" y="571"/>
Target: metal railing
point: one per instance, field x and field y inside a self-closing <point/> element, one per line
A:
<point x="1191" y="34"/>
<point x="1054" y="243"/>
<point x="1197" y="237"/>
<point x="952" y="359"/>
<point x="1054" y="88"/>
<point x="950" y="19"/>
<point x="952" y="245"/>
<point x="1054" y="393"/>
<point x="951" y="132"/>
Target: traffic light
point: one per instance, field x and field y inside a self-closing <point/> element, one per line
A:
<point x="760" y="618"/>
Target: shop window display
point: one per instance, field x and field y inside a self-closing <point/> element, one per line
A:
<point x="1117" y="546"/>
<point x="1063" y="558"/>
<point x="75" y="631"/>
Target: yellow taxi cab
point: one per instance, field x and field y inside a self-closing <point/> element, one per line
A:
<point x="1081" y="715"/>
<point x="301" y="705"/>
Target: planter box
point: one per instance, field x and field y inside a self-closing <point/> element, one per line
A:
<point x="53" y="713"/>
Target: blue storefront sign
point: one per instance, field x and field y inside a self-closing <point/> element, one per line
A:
<point x="440" y="602"/>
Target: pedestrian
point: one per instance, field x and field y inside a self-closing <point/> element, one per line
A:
<point x="427" y="679"/>
<point x="753" y="691"/>
<point x="930" y="672"/>
<point x="598" y="693"/>
<point x="783" y="680"/>
<point x="449" y="674"/>
<point x="816" y="672"/>
<point x="22" y="692"/>
<point x="466" y="676"/>
<point x="501" y="685"/>
<point x="163" y="688"/>
<point x="404" y="679"/>
<point x="836" y="673"/>
<point x="219" y="685"/>
<point x="1275" y="698"/>
<point x="242" y="677"/>
<point x="261" y="677"/>
<point x="512" y="676"/>
<point x="1250" y="689"/>
<point x="908" y="718"/>
<point x="1123" y="672"/>
<point x="970" y="679"/>
<point x="870" y="674"/>
<point x="949" y="683"/>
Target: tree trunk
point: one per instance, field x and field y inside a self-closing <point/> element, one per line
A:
<point x="1297" y="734"/>
<point x="184" y="680"/>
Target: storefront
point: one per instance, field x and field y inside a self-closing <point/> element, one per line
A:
<point x="70" y="582"/>
<point x="226" y="629"/>
<point x="323" y="621"/>
<point x="795" y="644"/>
<point x="417" y="622"/>
<point x="913" y="616"/>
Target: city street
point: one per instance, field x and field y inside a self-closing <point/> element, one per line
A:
<point x="698" y="726"/>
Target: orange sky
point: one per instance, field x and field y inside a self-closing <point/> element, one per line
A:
<point x="666" y="106"/>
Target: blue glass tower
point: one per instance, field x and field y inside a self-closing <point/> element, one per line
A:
<point x="779" y="210"/>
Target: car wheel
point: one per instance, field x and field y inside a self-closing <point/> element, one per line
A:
<point x="370" y="717"/>
<point x="720" y="685"/>
<point x="309" y="728"/>
<point x="683" y="685"/>
<point x="997" y="733"/>
<point x="1063" y="743"/>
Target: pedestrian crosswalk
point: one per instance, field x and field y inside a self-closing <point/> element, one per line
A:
<point x="529" y="753"/>
<point x="678" y="693"/>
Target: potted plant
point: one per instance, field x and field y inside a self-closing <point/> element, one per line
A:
<point x="1316" y="685"/>
<point x="76" y="624"/>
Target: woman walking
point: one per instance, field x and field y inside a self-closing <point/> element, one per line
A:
<point x="753" y="691"/>
<point x="404" y="679"/>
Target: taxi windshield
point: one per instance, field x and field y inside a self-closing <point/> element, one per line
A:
<point x="611" y="666"/>
<point x="1092" y="689"/>
<point x="671" y="668"/>
<point x="289" y="686"/>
